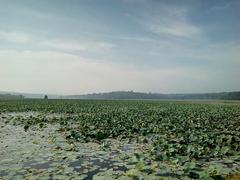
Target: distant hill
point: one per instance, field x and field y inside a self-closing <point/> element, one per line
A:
<point x="10" y="96"/>
<point x="31" y="95"/>
<point x="127" y="95"/>
<point x="140" y="95"/>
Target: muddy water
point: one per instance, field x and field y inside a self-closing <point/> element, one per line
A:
<point x="44" y="153"/>
<point x="31" y="153"/>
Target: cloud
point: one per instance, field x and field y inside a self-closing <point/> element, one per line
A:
<point x="204" y="53"/>
<point x="170" y="20"/>
<point x="57" y="72"/>
<point x="67" y="45"/>
<point x="105" y="45"/>
<point x="179" y="29"/>
<point x="220" y="7"/>
<point x="15" y="37"/>
<point x="56" y="44"/>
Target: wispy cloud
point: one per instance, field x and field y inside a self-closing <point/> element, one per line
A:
<point x="220" y="7"/>
<point x="56" y="44"/>
<point x="15" y="37"/>
<point x="67" y="45"/>
<point x="171" y="21"/>
<point x="179" y="29"/>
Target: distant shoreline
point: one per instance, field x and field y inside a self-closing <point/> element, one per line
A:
<point x="130" y="95"/>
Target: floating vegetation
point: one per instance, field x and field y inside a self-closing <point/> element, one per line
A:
<point x="87" y="139"/>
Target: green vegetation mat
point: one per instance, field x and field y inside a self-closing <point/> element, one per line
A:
<point x="104" y="139"/>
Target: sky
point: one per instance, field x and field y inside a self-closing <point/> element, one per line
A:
<point x="86" y="46"/>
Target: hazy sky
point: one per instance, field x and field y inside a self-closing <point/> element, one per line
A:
<point x="84" y="46"/>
